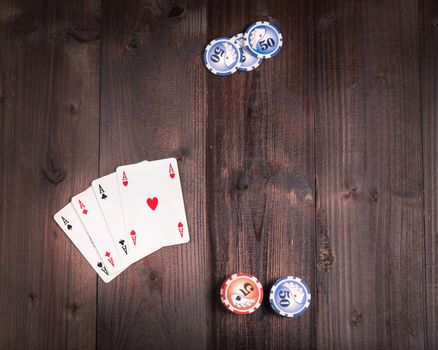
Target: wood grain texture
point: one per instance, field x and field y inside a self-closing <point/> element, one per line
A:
<point x="49" y="111"/>
<point x="370" y="228"/>
<point x="260" y="173"/>
<point x="153" y="107"/>
<point x="429" y="92"/>
<point x="321" y="163"/>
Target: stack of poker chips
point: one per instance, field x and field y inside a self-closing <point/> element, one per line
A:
<point x="242" y="294"/>
<point x="244" y="51"/>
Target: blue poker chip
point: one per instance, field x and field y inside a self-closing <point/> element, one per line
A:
<point x="263" y="39"/>
<point x="222" y="56"/>
<point x="248" y="61"/>
<point x="290" y="296"/>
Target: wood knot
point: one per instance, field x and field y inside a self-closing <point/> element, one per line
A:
<point x="354" y="86"/>
<point x="326" y="18"/>
<point x="373" y="196"/>
<point x="181" y="154"/>
<point x="53" y="172"/>
<point x="24" y="24"/>
<point x="32" y="296"/>
<point x="254" y="109"/>
<point x="325" y="255"/>
<point x="243" y="182"/>
<point x="152" y="277"/>
<point x="356" y="318"/>
<point x="134" y="41"/>
<point x="350" y="194"/>
<point x="83" y="35"/>
<point x="73" y="308"/>
<point x="434" y="24"/>
<point x="177" y="11"/>
<point x="73" y="109"/>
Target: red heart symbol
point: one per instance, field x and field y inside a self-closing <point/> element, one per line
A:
<point x="134" y="237"/>
<point x="125" y="183"/>
<point x="152" y="202"/>
<point x="181" y="228"/>
<point x="172" y="175"/>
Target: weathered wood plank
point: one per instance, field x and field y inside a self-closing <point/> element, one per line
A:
<point x="369" y="174"/>
<point x="260" y="175"/>
<point x="154" y="106"/>
<point x="429" y="93"/>
<point x="49" y="112"/>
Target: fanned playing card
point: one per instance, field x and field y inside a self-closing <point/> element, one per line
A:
<point x="153" y="204"/>
<point x="70" y="223"/>
<point x="88" y="210"/>
<point x="107" y="195"/>
<point x="127" y="215"/>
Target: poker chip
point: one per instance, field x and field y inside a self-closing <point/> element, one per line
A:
<point x="222" y="56"/>
<point x="248" y="61"/>
<point x="263" y="39"/>
<point x="242" y="293"/>
<point x="290" y="296"/>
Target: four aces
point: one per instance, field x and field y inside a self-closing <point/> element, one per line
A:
<point x="127" y="215"/>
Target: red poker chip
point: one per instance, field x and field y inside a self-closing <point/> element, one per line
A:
<point x="242" y="293"/>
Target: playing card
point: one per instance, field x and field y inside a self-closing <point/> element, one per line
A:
<point x="89" y="212"/>
<point x="107" y="195"/>
<point x="131" y="235"/>
<point x="70" y="223"/>
<point x="153" y="204"/>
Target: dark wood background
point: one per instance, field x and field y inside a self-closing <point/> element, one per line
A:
<point x="321" y="163"/>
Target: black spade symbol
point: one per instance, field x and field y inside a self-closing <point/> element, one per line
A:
<point x="99" y="264"/>
<point x="104" y="196"/>
<point x="69" y="227"/>
<point x="122" y="242"/>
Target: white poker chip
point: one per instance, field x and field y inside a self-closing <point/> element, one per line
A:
<point x="263" y="39"/>
<point x="248" y="61"/>
<point x="290" y="296"/>
<point x="222" y="56"/>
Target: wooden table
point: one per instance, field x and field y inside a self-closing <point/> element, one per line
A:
<point x="321" y="163"/>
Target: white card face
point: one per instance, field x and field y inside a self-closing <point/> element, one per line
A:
<point x="89" y="212"/>
<point x="153" y="204"/>
<point x="138" y="250"/>
<point x="68" y="220"/>
<point x="107" y="194"/>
